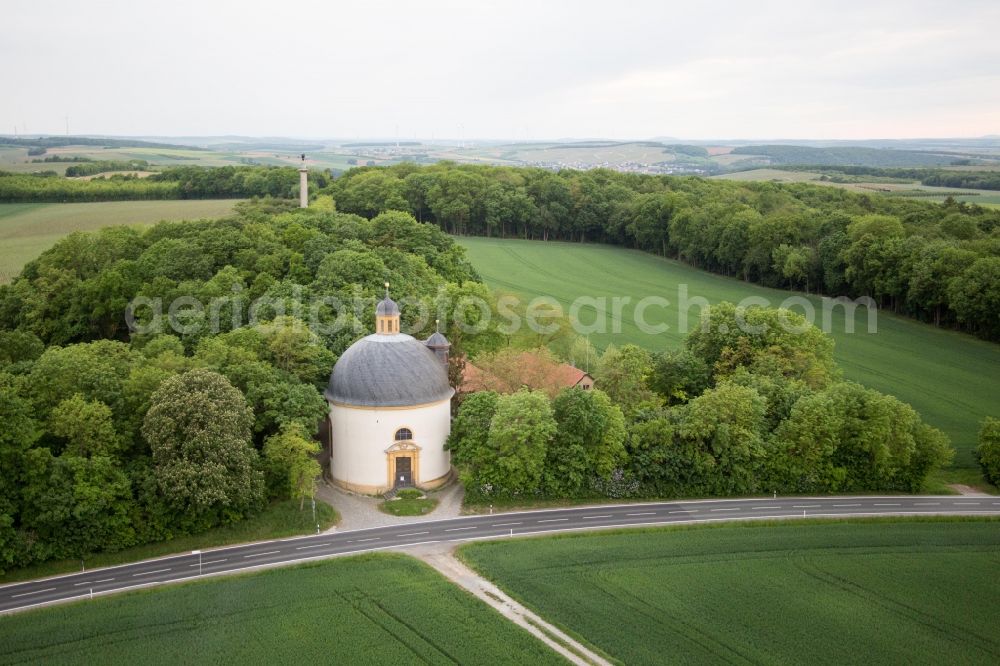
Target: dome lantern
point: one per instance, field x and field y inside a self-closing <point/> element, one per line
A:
<point x="387" y="315"/>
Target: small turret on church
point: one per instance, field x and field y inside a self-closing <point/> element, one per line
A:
<point x="439" y="344"/>
<point x="387" y="315"/>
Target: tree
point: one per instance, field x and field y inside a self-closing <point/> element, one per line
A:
<point x="679" y="376"/>
<point x="622" y="374"/>
<point x="290" y="461"/>
<point x="589" y="440"/>
<point x="975" y="297"/>
<point x="76" y="505"/>
<point x="95" y="370"/>
<point x="520" y="432"/>
<point x="86" y="426"/>
<point x="469" y="440"/>
<point x="851" y="438"/>
<point x="726" y="424"/>
<point x="988" y="451"/>
<point x="763" y="340"/>
<point x="198" y="429"/>
<point x="18" y="433"/>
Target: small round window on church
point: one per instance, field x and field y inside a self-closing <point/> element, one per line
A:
<point x="404" y="434"/>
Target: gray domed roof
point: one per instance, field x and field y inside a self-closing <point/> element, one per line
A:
<point x="388" y="371"/>
<point x="437" y="340"/>
<point x="386" y="306"/>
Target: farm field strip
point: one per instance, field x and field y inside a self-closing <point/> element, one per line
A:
<point x="951" y="379"/>
<point x="27" y="230"/>
<point x="918" y="592"/>
<point x="365" y="609"/>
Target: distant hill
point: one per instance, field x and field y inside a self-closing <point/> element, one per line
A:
<point x="57" y="141"/>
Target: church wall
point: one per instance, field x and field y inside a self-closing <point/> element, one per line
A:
<point x="361" y="437"/>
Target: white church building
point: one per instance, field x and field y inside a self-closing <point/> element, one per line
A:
<point x="390" y="409"/>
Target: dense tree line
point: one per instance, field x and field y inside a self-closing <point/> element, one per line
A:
<point x="966" y="178"/>
<point x="732" y="413"/>
<point x="935" y="262"/>
<point x="186" y="182"/>
<point x="112" y="439"/>
<point x="93" y="167"/>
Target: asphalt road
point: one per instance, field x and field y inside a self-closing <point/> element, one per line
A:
<point x="19" y="596"/>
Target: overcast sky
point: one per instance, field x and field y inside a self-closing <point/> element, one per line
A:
<point x="503" y="70"/>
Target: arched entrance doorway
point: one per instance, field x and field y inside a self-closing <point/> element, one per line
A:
<point x="403" y="461"/>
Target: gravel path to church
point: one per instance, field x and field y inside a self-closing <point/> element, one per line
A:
<point x="361" y="511"/>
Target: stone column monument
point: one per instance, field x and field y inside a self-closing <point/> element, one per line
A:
<point x="303" y="184"/>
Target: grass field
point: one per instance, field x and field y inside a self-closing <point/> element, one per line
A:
<point x="952" y="379"/>
<point x="373" y="609"/>
<point x="27" y="230"/>
<point x="838" y="593"/>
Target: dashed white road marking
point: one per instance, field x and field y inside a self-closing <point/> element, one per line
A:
<point x="646" y="513"/>
<point x="806" y="506"/>
<point x="764" y="508"/>
<point x="104" y="580"/>
<point x="929" y="503"/>
<point x="684" y="511"/>
<point x="506" y="524"/>
<point x="368" y="539"/>
<point x="150" y="573"/>
<point x="723" y="509"/>
<point x="207" y="562"/>
<point x="885" y="504"/>
<point x="315" y="545"/>
<point x="459" y="529"/>
<point x="844" y="505"/>
<point x="86" y="582"/>
<point x="270" y="552"/>
<point x="553" y="520"/>
<point x="24" y="594"/>
<point x="966" y="503"/>
<point x="412" y="533"/>
<point x="607" y="515"/>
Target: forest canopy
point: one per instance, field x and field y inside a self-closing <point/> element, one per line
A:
<point x="938" y="263"/>
<point x="112" y="439"/>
